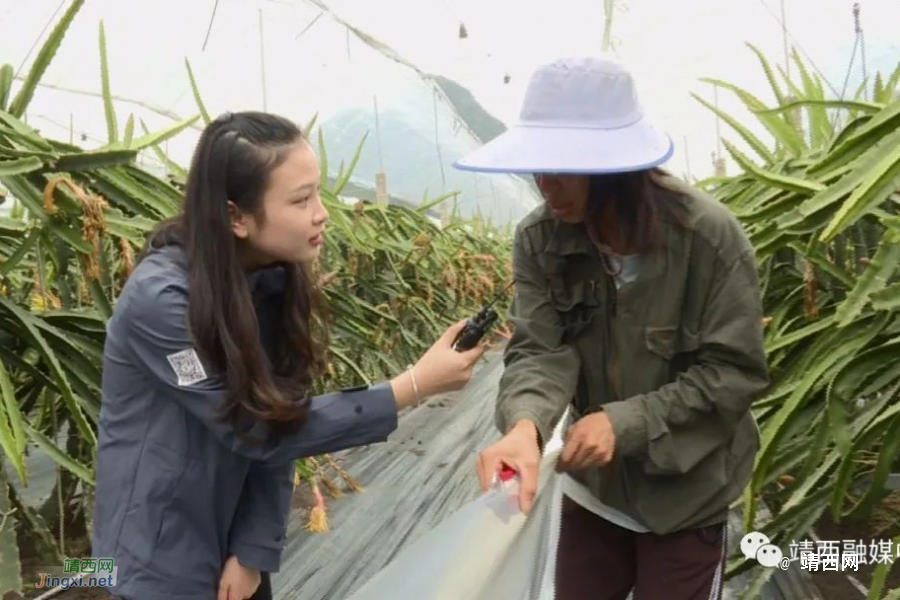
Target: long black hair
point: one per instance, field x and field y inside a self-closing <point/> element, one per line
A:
<point x="640" y="209"/>
<point x="233" y="160"/>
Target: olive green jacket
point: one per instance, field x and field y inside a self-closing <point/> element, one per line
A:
<point x="675" y="357"/>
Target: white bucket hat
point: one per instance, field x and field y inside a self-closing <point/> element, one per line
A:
<point x="580" y="115"/>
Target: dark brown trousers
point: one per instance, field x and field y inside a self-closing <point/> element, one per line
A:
<point x="598" y="560"/>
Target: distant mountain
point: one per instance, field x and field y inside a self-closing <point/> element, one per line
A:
<point x="482" y="123"/>
<point x="418" y="160"/>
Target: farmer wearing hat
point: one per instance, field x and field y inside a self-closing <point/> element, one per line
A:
<point x="637" y="306"/>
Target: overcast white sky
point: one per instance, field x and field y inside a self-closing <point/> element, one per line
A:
<point x="668" y="44"/>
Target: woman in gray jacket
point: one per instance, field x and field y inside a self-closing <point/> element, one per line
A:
<point x="209" y="359"/>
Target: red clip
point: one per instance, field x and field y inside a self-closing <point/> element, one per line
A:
<point x="507" y="473"/>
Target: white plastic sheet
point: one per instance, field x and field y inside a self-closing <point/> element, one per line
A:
<point x="487" y="550"/>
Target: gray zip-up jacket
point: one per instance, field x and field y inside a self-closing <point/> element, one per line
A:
<point x="177" y="490"/>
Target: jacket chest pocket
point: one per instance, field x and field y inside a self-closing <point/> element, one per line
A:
<point x="577" y="304"/>
<point x="672" y="348"/>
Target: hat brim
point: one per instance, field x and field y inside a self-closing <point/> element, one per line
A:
<point x="531" y="149"/>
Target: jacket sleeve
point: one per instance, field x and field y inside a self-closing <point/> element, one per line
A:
<point x="541" y="371"/>
<point x="673" y="428"/>
<point x="154" y="321"/>
<point x="257" y="534"/>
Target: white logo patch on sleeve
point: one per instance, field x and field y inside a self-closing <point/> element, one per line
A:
<point x="187" y="367"/>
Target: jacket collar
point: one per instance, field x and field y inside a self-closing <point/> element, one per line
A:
<point x="568" y="238"/>
<point x="261" y="282"/>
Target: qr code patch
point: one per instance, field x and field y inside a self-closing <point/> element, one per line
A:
<point x="187" y="367"/>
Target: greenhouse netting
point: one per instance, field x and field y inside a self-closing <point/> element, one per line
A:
<point x="424" y="82"/>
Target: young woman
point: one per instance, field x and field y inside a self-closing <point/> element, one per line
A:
<point x="637" y="306"/>
<point x="209" y="359"/>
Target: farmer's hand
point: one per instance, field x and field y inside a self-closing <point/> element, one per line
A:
<point x="518" y="449"/>
<point x="238" y="582"/>
<point x="590" y="442"/>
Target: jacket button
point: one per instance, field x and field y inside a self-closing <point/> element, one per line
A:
<point x="358" y="409"/>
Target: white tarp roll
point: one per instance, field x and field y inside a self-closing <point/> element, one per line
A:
<point x="487" y="550"/>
